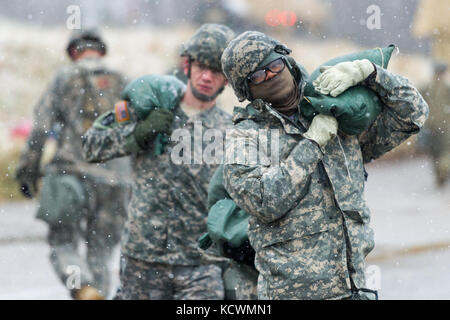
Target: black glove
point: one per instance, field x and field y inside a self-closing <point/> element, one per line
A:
<point x="242" y="254"/>
<point x="158" y="121"/>
<point x="28" y="179"/>
<point x="26" y="190"/>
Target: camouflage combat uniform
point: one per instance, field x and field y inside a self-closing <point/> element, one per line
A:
<point x="168" y="208"/>
<point x="77" y="95"/>
<point x="309" y="222"/>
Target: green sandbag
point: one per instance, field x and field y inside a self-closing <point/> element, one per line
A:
<point x="216" y="190"/>
<point x="154" y="91"/>
<point x="62" y="200"/>
<point x="358" y="106"/>
<point x="226" y="223"/>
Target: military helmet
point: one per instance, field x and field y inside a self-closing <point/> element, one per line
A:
<point x="207" y="44"/>
<point x="81" y="39"/>
<point x="244" y="54"/>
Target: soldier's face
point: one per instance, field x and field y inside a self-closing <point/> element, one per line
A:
<point x="205" y="80"/>
<point x="87" y="53"/>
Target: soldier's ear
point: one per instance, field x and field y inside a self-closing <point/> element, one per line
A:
<point x="185" y="64"/>
<point x="73" y="54"/>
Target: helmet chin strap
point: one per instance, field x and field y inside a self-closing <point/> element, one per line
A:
<point x="204" y="97"/>
<point x="201" y="96"/>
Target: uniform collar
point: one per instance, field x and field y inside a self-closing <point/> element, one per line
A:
<point x="207" y="117"/>
<point x="288" y="125"/>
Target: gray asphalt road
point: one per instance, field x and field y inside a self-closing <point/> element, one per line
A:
<point x="410" y="217"/>
<point x="25" y="269"/>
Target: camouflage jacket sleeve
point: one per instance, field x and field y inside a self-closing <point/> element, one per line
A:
<point x="404" y="113"/>
<point x="111" y="136"/>
<point x="267" y="189"/>
<point x="45" y="114"/>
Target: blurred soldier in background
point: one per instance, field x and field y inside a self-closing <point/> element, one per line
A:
<point x="437" y="94"/>
<point x="81" y="202"/>
<point x="168" y="209"/>
<point x="431" y="21"/>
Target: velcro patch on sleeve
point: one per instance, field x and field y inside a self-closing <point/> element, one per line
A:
<point x="121" y="111"/>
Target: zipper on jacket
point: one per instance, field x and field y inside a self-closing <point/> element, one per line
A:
<point x="345" y="158"/>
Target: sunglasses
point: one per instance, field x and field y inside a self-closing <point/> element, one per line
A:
<point x="260" y="75"/>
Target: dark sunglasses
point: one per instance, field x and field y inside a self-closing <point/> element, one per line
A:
<point x="259" y="76"/>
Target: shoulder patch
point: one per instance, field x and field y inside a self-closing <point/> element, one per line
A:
<point x="121" y="111"/>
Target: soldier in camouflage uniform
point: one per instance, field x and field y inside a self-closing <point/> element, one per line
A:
<point x="78" y="200"/>
<point x="168" y="209"/>
<point x="437" y="94"/>
<point x="309" y="223"/>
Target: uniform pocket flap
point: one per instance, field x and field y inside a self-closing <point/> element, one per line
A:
<point x="298" y="225"/>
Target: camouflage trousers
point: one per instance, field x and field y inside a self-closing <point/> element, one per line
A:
<point x="324" y="265"/>
<point x="80" y="250"/>
<point x="141" y="280"/>
<point x="240" y="282"/>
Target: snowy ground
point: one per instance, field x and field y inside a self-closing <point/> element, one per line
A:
<point x="25" y="269"/>
<point x="410" y="217"/>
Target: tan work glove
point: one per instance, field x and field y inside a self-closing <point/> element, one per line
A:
<point x="323" y="128"/>
<point x="336" y="79"/>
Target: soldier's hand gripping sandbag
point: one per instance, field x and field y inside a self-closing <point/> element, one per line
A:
<point x="355" y="106"/>
<point x="323" y="128"/>
<point x="154" y="92"/>
<point x="158" y="121"/>
<point x="336" y="79"/>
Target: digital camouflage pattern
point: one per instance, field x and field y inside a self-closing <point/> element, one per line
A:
<point x="309" y="222"/>
<point x="77" y="95"/>
<point x="207" y="44"/>
<point x="168" y="209"/>
<point x="257" y="46"/>
<point x="141" y="280"/>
